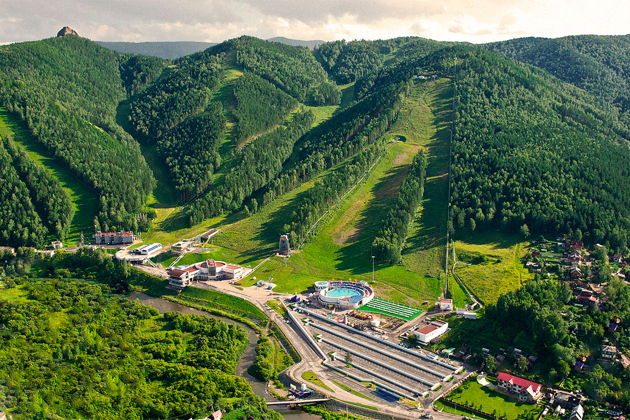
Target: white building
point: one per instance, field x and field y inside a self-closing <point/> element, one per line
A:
<point x="181" y="277"/>
<point x="148" y="249"/>
<point x="446" y="304"/>
<point x="431" y="331"/>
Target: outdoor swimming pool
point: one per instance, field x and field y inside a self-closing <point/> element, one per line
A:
<point x="343" y="292"/>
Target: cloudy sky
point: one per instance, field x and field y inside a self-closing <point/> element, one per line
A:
<point x="216" y="20"/>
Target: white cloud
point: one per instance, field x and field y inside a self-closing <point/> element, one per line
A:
<point x="216" y="20"/>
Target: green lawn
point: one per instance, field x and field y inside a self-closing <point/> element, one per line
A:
<point x="223" y="301"/>
<point x="502" y="270"/>
<point x="472" y="393"/>
<point x="314" y="379"/>
<point x="84" y="199"/>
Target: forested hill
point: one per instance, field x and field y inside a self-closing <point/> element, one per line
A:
<point x="598" y="64"/>
<point x="233" y="127"/>
<point x="531" y="153"/>
<point x="67" y="90"/>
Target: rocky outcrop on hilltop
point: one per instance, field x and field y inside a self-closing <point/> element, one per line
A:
<point x="66" y="30"/>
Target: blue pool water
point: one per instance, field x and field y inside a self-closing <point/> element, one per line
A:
<point x="343" y="292"/>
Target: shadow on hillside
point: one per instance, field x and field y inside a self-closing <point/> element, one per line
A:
<point x="356" y="257"/>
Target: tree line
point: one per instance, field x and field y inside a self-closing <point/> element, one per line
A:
<point x="328" y="191"/>
<point x="390" y="240"/>
<point x="339" y="138"/>
<point x="253" y="167"/>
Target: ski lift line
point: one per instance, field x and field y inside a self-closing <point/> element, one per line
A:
<point x="403" y="349"/>
<point x="383" y="352"/>
<point x="314" y="225"/>
<point x="376" y="362"/>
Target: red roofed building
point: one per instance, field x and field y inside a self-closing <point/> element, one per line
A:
<point x="524" y="389"/>
<point x="204" y="271"/>
<point x="431" y="331"/>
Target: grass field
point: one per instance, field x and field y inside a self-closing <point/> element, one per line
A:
<point x="314" y="379"/>
<point x="223" y="301"/>
<point x="83" y="198"/>
<point x="14" y="295"/>
<point x="496" y="266"/>
<point x="473" y="394"/>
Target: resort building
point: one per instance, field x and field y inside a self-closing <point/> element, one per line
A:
<point x="113" y="238"/>
<point x="181" y="277"/>
<point x="524" y="389"/>
<point x="431" y="331"/>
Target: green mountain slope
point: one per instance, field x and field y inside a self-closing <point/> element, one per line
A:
<point x="67" y="90"/>
<point x="598" y="64"/>
<point x="534" y="154"/>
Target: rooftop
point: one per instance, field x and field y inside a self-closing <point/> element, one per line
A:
<point x="518" y="381"/>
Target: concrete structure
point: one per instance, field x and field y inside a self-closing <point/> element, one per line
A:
<point x="56" y="244"/>
<point x="113" y="238"/>
<point x="148" y="249"/>
<point x="431" y="331"/>
<point x="183" y="276"/>
<point x="344" y="294"/>
<point x="209" y="234"/>
<point x="524" y="389"/>
<point x="446" y="304"/>
<point x="181" y="246"/>
<point x="283" y="245"/>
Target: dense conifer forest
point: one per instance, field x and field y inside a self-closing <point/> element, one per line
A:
<point x="389" y="242"/>
<point x="598" y="64"/>
<point x="67" y="90"/>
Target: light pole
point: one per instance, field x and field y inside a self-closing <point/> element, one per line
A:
<point x="372" y="268"/>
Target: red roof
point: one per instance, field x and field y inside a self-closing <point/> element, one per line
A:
<point x="506" y="377"/>
<point x="211" y="263"/>
<point x="176" y="272"/>
<point x="233" y="267"/>
<point x="191" y="269"/>
<point x="219" y="263"/>
<point x="427" y="329"/>
<point x="447" y="301"/>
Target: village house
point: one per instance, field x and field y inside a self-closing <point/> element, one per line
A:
<point x="113" y="238"/>
<point x="446" y="304"/>
<point x="208" y="270"/>
<point x="525" y="390"/>
<point x="609" y="352"/>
